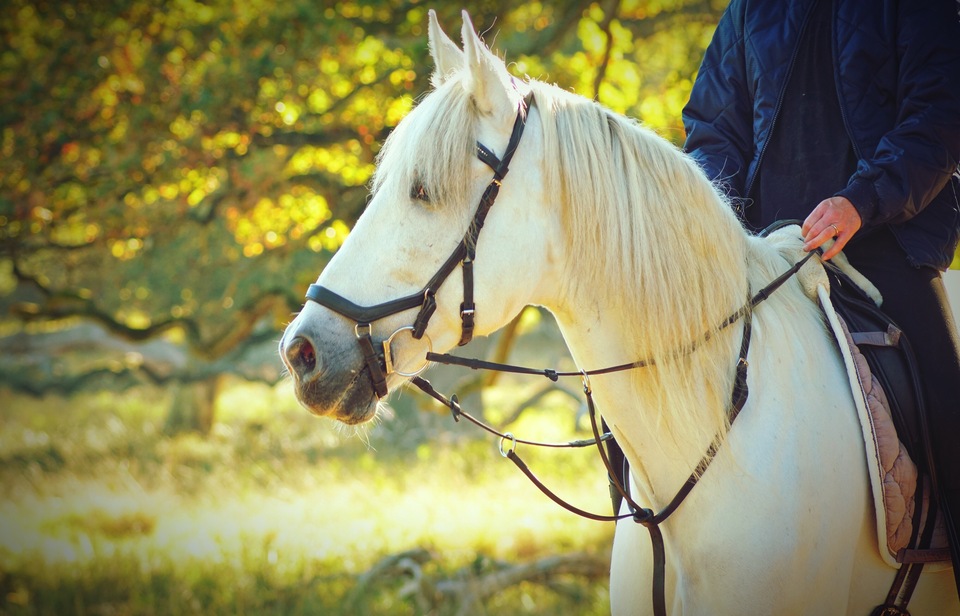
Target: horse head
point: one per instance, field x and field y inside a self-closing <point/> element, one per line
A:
<point x="400" y="284"/>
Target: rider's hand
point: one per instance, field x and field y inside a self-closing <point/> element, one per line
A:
<point x="832" y="218"/>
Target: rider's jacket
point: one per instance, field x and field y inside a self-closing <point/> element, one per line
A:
<point x="896" y="66"/>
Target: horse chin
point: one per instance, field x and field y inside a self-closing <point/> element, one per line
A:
<point x="352" y="402"/>
<point x="358" y="416"/>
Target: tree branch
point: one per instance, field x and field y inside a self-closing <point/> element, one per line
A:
<point x="609" y="13"/>
<point x="466" y="589"/>
<point x="61" y="305"/>
<point x="87" y="357"/>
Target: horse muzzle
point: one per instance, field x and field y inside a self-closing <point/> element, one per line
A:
<point x="329" y="375"/>
<point x="337" y="377"/>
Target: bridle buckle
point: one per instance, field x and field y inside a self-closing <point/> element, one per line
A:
<point x="359" y="326"/>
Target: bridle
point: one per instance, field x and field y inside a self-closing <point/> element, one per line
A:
<point x="380" y="363"/>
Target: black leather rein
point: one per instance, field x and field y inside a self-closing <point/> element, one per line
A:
<point x="379" y="363"/>
<point x="641" y="515"/>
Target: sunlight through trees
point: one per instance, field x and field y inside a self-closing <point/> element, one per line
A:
<point x="184" y="171"/>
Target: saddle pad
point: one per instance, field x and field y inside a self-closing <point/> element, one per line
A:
<point x="893" y="474"/>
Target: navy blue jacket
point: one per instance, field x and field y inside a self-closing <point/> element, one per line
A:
<point x="897" y="71"/>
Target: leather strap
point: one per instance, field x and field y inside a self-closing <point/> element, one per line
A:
<point x="889" y="338"/>
<point x="467" y="308"/>
<point x="361" y="314"/>
<point x="372" y="361"/>
<point x="905" y="582"/>
<point x="641" y="515"/>
<point x="423" y="317"/>
<point x="457" y="411"/>
<point x="644" y="516"/>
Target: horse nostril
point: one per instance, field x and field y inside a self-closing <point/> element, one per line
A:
<point x="302" y="356"/>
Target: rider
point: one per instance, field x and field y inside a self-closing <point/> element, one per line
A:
<point x="846" y="114"/>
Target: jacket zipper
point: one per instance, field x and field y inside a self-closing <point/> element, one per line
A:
<point x="783" y="91"/>
<point x="837" y="85"/>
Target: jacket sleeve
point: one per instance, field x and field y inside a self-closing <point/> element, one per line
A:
<point x="914" y="161"/>
<point x="718" y="116"/>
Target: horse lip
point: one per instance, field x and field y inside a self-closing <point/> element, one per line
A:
<point x="351" y="401"/>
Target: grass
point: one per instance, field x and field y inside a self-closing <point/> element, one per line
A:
<point x="275" y="512"/>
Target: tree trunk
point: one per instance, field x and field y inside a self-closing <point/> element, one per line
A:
<point x="192" y="408"/>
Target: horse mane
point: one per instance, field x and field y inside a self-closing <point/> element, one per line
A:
<point x="659" y="230"/>
<point x="651" y="222"/>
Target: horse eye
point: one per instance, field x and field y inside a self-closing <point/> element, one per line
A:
<point x="418" y="192"/>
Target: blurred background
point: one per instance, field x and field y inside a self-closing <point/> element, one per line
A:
<point x="172" y="177"/>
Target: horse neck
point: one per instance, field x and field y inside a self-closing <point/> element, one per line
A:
<point x="650" y="259"/>
<point x="664" y="416"/>
<point x="635" y="404"/>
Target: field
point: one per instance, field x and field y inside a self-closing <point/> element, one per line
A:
<point x="279" y="512"/>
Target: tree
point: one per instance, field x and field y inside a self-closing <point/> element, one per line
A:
<point x="183" y="171"/>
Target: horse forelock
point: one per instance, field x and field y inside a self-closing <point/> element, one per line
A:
<point x="433" y="146"/>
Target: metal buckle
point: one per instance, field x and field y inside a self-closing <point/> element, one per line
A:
<point x="586" y="382"/>
<point x="357" y="328"/>
<point x="388" y="353"/>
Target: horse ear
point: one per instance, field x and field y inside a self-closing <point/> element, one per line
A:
<point x="446" y="55"/>
<point x="486" y="76"/>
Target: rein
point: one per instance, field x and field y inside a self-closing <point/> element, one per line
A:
<point x="641" y="515"/>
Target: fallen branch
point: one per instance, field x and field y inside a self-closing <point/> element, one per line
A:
<point x="469" y="592"/>
<point x="464" y="592"/>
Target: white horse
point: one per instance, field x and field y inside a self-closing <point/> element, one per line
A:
<point x="635" y="252"/>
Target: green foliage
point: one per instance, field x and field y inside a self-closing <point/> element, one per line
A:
<point x="187" y="168"/>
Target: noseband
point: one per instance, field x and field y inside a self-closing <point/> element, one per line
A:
<point x="380" y="364"/>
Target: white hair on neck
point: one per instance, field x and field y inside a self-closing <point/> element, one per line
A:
<point x="654" y="226"/>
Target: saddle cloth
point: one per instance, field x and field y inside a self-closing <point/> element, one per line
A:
<point x="893" y="474"/>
